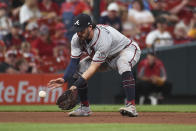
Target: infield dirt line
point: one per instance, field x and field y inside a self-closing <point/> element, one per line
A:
<point x="99" y="117"/>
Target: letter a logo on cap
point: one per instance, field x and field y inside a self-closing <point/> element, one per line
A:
<point x="77" y="23"/>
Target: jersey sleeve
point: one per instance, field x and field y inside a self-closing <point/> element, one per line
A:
<point x="75" y="48"/>
<point x="103" y="47"/>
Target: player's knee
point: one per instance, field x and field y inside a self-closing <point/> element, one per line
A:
<point x="124" y="69"/>
<point x="127" y="74"/>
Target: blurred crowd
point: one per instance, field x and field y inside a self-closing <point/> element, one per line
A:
<point x="35" y="34"/>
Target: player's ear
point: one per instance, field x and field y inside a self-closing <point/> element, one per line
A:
<point x="91" y="27"/>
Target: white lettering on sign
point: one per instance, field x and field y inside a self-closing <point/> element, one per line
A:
<point x="20" y="90"/>
<point x="30" y="96"/>
<point x="37" y="95"/>
<point x="26" y="94"/>
<point x="1" y="91"/>
<point x="47" y="96"/>
<point x="54" y="92"/>
<point x="9" y="94"/>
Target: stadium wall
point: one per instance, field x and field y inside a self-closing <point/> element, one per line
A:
<point x="20" y="89"/>
<point x="179" y="61"/>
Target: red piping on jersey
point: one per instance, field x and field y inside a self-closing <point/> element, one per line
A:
<point x="97" y="61"/>
<point x="129" y="44"/>
<point x="75" y="56"/>
<point x="133" y="56"/>
<point x="93" y="51"/>
<point x="97" y="38"/>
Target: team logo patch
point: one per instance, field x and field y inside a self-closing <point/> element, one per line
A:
<point x="77" y="23"/>
<point x="101" y="55"/>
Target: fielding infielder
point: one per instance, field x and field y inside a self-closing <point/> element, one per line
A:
<point x="107" y="49"/>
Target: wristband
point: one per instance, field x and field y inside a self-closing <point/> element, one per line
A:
<point x="80" y="82"/>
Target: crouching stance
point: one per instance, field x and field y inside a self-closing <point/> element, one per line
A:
<point x="107" y="49"/>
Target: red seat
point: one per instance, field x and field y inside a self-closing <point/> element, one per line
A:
<point x="141" y="40"/>
<point x="47" y="69"/>
<point x="53" y="64"/>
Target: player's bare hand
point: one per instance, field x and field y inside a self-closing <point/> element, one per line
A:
<point x="55" y="83"/>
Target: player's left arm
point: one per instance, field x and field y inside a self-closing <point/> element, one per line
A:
<point x="91" y="70"/>
<point x="86" y="75"/>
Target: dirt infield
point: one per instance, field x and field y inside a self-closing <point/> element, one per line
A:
<point x="99" y="117"/>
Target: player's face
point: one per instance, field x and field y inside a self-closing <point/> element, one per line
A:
<point x="85" y="33"/>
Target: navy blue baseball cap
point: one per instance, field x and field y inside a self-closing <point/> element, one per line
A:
<point x="81" y="22"/>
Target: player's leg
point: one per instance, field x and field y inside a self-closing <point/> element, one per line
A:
<point x="84" y="109"/>
<point x="127" y="59"/>
<point x="83" y="92"/>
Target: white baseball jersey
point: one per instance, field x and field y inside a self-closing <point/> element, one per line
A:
<point x="105" y="43"/>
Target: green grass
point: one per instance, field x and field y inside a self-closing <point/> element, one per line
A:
<point x="101" y="108"/>
<point x="94" y="127"/>
<point x="30" y="108"/>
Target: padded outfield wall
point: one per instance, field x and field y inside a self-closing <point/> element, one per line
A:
<point x="179" y="61"/>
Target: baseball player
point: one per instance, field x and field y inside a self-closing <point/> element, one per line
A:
<point x="107" y="49"/>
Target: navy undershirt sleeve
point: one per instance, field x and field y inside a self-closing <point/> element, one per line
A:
<point x="71" y="68"/>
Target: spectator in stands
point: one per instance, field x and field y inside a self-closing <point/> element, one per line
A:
<point x="43" y="43"/>
<point x="14" y="38"/>
<point x="192" y="31"/>
<point x="28" y="53"/>
<point x="112" y="17"/>
<point x="182" y="10"/>
<point x="181" y="33"/>
<point x="5" y="21"/>
<point x="145" y="3"/>
<point x="31" y="32"/>
<point x="69" y="9"/>
<point x="59" y="35"/>
<point x="23" y="66"/>
<point x="8" y="66"/>
<point x="15" y="8"/>
<point x="160" y="36"/>
<point x="29" y="12"/>
<point x="139" y="17"/>
<point x="49" y="8"/>
<point x="152" y="80"/>
<point x="75" y="6"/>
<point x="159" y="9"/>
<point x="103" y="6"/>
